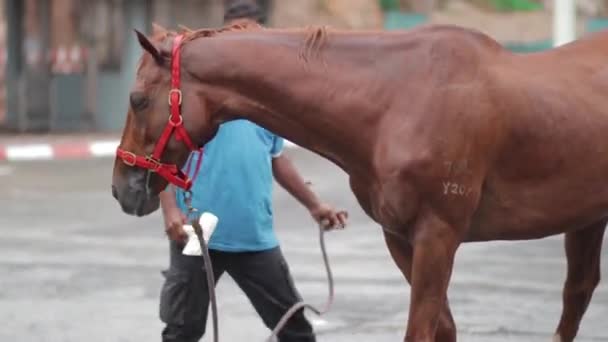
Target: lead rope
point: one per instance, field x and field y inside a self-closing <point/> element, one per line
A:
<point x="198" y="230"/>
<point x="211" y="280"/>
<point x="301" y="305"/>
<point x="293" y="310"/>
<point x="210" y="277"/>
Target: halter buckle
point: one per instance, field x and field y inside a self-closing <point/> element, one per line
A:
<point x="179" y="96"/>
<point x="156" y="164"/>
<point x="175" y="124"/>
<point x="129" y="158"/>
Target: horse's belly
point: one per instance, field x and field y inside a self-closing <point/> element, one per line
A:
<point x="521" y="212"/>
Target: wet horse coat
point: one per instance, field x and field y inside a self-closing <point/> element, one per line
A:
<point x="446" y="136"/>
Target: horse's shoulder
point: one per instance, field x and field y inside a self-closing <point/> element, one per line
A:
<point x="457" y="36"/>
<point x="458" y="49"/>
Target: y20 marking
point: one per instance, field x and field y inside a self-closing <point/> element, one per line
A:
<point x="450" y="188"/>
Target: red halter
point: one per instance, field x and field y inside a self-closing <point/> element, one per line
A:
<point x="171" y="172"/>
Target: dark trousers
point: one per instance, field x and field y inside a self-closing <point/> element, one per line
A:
<point x="263" y="276"/>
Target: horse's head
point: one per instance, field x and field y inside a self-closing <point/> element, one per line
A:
<point x="155" y="142"/>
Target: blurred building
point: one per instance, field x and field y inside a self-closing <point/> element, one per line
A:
<point x="70" y="62"/>
<point x="67" y="65"/>
<point x="2" y="65"/>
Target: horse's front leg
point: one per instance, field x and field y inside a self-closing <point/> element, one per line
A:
<point x="435" y="243"/>
<point x="403" y="253"/>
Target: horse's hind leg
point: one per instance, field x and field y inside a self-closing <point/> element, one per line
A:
<point x="583" y="249"/>
<point x="402" y="253"/>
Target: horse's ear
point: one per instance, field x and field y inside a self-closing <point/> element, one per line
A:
<point x="147" y="45"/>
<point x="158" y="30"/>
<point x="185" y="29"/>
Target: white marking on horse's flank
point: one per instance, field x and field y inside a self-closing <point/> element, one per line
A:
<point x="103" y="148"/>
<point x="29" y="152"/>
<point x="450" y="188"/>
<point x="458" y="166"/>
<point x="446" y="187"/>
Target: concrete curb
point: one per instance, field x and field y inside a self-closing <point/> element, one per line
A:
<point x="31" y="151"/>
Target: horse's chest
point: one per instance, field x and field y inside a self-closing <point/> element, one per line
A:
<point x="385" y="202"/>
<point x="362" y="191"/>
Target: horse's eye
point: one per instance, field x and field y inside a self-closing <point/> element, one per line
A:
<point x="138" y="100"/>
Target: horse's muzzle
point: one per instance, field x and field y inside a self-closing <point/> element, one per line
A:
<point x="138" y="203"/>
<point x="133" y="197"/>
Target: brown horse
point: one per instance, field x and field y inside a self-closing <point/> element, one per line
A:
<point x="446" y="136"/>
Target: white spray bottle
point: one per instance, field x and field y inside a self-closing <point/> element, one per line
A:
<point x="208" y="222"/>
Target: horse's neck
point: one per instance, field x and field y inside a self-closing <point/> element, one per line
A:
<point x="297" y="90"/>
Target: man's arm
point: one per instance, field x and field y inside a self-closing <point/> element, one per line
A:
<point x="172" y="215"/>
<point x="288" y="177"/>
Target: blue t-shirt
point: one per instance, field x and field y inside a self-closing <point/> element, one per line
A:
<point x="235" y="184"/>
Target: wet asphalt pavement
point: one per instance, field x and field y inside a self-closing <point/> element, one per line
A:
<point x="73" y="267"/>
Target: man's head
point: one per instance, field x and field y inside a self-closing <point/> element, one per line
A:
<point x="237" y="11"/>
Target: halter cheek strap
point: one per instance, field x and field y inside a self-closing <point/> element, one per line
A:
<point x="171" y="172"/>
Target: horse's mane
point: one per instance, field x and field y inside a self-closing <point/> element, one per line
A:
<point x="206" y="32"/>
<point x="315" y="39"/>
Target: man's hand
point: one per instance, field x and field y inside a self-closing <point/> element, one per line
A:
<point x="328" y="217"/>
<point x="173" y="216"/>
<point x="286" y="175"/>
<point x="174" y="225"/>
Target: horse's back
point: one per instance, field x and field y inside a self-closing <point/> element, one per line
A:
<point x="535" y="123"/>
<point x="549" y="172"/>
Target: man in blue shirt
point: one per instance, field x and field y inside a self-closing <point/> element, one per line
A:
<point x="235" y="183"/>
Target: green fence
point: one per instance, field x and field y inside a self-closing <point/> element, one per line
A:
<point x="515" y="5"/>
<point x="596" y="24"/>
<point x="528" y="47"/>
<point x="397" y="20"/>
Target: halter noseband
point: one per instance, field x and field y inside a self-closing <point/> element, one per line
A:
<point x="171" y="172"/>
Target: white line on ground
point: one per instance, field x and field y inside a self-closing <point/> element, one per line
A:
<point x="103" y="148"/>
<point x="29" y="152"/>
